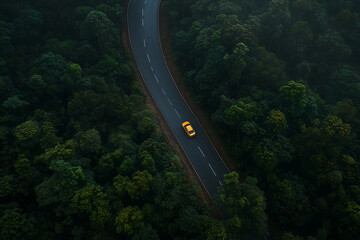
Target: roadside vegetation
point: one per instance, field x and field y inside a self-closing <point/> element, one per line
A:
<point x="280" y="79"/>
<point x="81" y="155"/>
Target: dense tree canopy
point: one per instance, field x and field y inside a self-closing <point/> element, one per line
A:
<point x="280" y="79"/>
<point x="82" y="156"/>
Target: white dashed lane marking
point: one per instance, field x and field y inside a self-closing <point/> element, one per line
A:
<point x="142" y="22"/>
<point x="144" y="43"/>
<point x="212" y="169"/>
<point x="148" y="57"/>
<point x="177" y="113"/>
<point x="201" y="151"/>
<point x="156" y="78"/>
<point x="220" y="183"/>
<point x="163" y="91"/>
<point x="170" y="102"/>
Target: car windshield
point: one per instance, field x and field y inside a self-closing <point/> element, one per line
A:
<point x="191" y="131"/>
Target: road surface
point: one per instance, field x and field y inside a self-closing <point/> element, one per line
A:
<point x="143" y="18"/>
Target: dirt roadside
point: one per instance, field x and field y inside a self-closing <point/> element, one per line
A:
<point x="167" y="49"/>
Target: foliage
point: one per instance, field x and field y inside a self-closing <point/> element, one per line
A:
<point x="276" y="121"/>
<point x="280" y="80"/>
<point x="59" y="187"/>
<point x="92" y="200"/>
<point x="27" y="133"/>
<point x="246" y="203"/>
<point x="16" y="225"/>
<point x="80" y="150"/>
<point x="128" y="220"/>
<point x="7" y="186"/>
<point x="294" y="96"/>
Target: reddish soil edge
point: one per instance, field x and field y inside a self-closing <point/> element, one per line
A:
<point x="177" y="75"/>
<point x="171" y="139"/>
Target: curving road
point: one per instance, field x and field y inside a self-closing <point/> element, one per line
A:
<point x="143" y="18"/>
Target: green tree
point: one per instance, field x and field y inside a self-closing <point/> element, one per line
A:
<point x="300" y="39"/>
<point x="350" y="169"/>
<point x="136" y="187"/>
<point x="146" y="232"/>
<point x="290" y="236"/>
<point x="23" y="168"/>
<point x="347" y="111"/>
<point x="190" y="223"/>
<point x="28" y="24"/>
<point x="347" y="20"/>
<point x="334" y="178"/>
<point x="74" y="72"/>
<point x="49" y="138"/>
<point x="15" y="103"/>
<point x="276" y="121"/>
<point x="288" y="199"/>
<point x="167" y="188"/>
<point x="217" y="231"/>
<point x="268" y="72"/>
<point x="265" y="159"/>
<point x="87" y="54"/>
<point x="233" y="32"/>
<point x="88" y="142"/>
<point x="333" y="48"/>
<point x="350" y="220"/>
<point x="66" y="48"/>
<point x="7" y="186"/>
<point x="329" y="137"/>
<point x="91" y="199"/>
<point x="147" y="162"/>
<point x="36" y="82"/>
<point x="294" y="96"/>
<point x="237" y="63"/>
<point x="106" y="164"/>
<point x="344" y="83"/>
<point x="240" y="112"/>
<point x="99" y="28"/>
<point x="128" y="166"/>
<point x="86" y="109"/>
<point x="120" y="184"/>
<point x="27" y="133"/>
<point x="141" y="182"/>
<point x="15" y="225"/>
<point x="246" y="202"/>
<point x="145" y="121"/>
<point x="52" y="68"/>
<point x="129" y="220"/>
<point x="64" y="151"/>
<point x="61" y="185"/>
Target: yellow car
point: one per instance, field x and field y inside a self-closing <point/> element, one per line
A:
<point x="188" y="129"/>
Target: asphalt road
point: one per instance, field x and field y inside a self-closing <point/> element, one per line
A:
<point x="143" y="18"/>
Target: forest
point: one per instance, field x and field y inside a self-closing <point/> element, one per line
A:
<point x="280" y="80"/>
<point x="81" y="154"/>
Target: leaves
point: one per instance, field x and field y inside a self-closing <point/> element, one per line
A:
<point x="294" y="95"/>
<point x="246" y="203"/>
<point x="128" y="220"/>
<point x="27" y="133"/>
<point x="15" y="225"/>
<point x="92" y="200"/>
